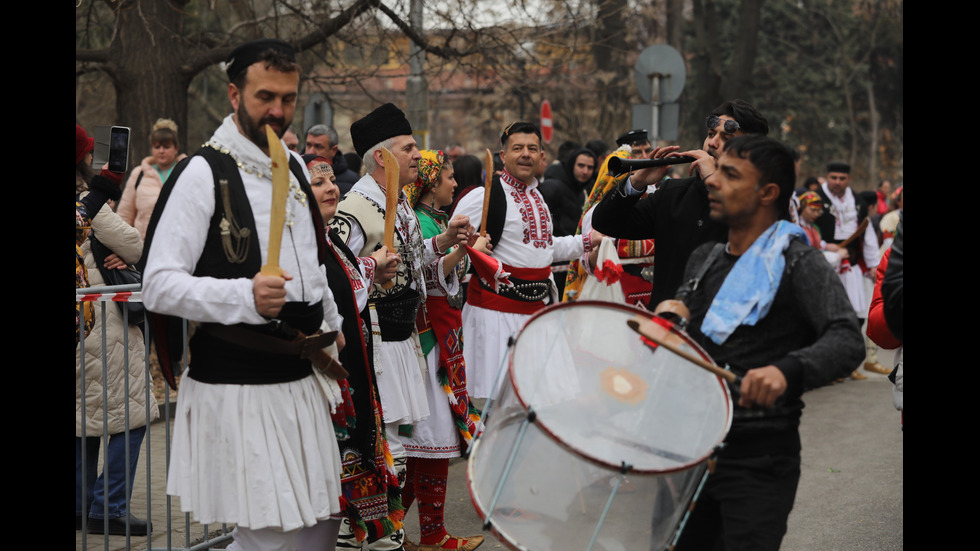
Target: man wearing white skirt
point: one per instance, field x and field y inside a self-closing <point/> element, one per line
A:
<point x="519" y="227"/>
<point x="842" y="215"/>
<point x="253" y="442"/>
<point x="399" y="287"/>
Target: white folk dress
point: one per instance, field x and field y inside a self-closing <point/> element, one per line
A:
<point x="260" y="456"/>
<point x="846" y="223"/>
<point x="399" y="365"/>
<point x="526" y="242"/>
<point x="437" y="436"/>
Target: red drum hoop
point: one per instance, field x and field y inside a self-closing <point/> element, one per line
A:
<point x="588" y="406"/>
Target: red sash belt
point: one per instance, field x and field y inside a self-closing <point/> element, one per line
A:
<point x="480" y="295"/>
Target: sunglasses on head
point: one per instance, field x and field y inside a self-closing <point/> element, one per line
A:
<point x="731" y="126"/>
<point x="512" y="125"/>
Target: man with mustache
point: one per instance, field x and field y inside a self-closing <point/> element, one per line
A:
<point x="676" y="216"/>
<point x="360" y="222"/>
<point x="520" y="229"/>
<point x="253" y="444"/>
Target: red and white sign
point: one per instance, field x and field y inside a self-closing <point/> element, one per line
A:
<point x="546" y="123"/>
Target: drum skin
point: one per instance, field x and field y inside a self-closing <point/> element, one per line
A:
<point x="588" y="407"/>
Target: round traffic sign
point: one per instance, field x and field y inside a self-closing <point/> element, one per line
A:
<point x="547" y="126"/>
<point x="665" y="61"/>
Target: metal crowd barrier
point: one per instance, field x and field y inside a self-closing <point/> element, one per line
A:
<point x="172" y="529"/>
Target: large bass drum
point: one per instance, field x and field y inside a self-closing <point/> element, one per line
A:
<point x="596" y="438"/>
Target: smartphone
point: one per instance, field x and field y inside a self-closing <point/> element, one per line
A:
<point x="111" y="148"/>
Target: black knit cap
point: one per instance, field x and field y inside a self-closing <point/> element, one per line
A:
<point x="838" y="166"/>
<point x="632" y="137"/>
<point x="244" y="56"/>
<point x="384" y="122"/>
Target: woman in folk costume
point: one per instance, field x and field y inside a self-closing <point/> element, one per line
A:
<point x="636" y="256"/>
<point x="810" y="208"/>
<point x="452" y="421"/>
<point x="371" y="494"/>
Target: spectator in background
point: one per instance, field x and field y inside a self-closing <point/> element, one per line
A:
<point x="455" y="151"/>
<point x="566" y="196"/>
<point x="353" y="162"/>
<point x="107" y="403"/>
<point x="321" y="140"/>
<point x="601" y="150"/>
<point x="291" y="140"/>
<point x="889" y="222"/>
<point x="542" y="165"/>
<point x="810" y="184"/>
<point x="469" y="175"/>
<point x="146" y="180"/>
<point x="555" y="169"/>
<point x="883" y="192"/>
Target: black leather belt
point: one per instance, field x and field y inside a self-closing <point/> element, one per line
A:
<point x="396" y="316"/>
<point x="301" y="345"/>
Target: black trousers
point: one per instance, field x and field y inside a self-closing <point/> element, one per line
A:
<point x="744" y="505"/>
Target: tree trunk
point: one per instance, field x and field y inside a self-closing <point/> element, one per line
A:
<point x="612" y="73"/>
<point x="738" y="79"/>
<point x="873" y="152"/>
<point x="148" y="44"/>
<point x="717" y="83"/>
<point x="675" y="24"/>
<point x="705" y="63"/>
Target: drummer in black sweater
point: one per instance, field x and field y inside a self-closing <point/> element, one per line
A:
<point x="769" y="307"/>
<point x="676" y="216"/>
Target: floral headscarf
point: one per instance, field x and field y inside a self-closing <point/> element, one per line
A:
<point x="808" y="199"/>
<point x="430" y="166"/>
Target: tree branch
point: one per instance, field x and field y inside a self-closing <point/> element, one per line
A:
<point x="445" y="51"/>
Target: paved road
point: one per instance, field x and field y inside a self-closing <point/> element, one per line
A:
<point x="851" y="488"/>
<point x="850" y="494"/>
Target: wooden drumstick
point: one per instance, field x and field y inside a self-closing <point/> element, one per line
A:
<point x="857" y="233"/>
<point x="487" y="182"/>
<point x="392" y="191"/>
<point x="651" y="330"/>
<point x="277" y="213"/>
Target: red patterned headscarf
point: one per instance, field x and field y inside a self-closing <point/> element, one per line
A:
<point x="808" y="199"/>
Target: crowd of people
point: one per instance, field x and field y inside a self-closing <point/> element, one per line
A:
<point x="328" y="391"/>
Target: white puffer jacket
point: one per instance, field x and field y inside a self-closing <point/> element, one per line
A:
<point x="136" y="204"/>
<point x="125" y="241"/>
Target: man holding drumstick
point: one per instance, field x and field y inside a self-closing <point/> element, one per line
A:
<point x="398" y="290"/>
<point x="771" y="308"/>
<point x="253" y="444"/>
<point x="520" y="230"/>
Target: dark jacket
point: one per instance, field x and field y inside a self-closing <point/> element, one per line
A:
<point x="346" y="178"/>
<point x="565" y="196"/>
<point x="676" y="216"/>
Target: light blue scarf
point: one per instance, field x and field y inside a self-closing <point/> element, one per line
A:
<point x="750" y="287"/>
